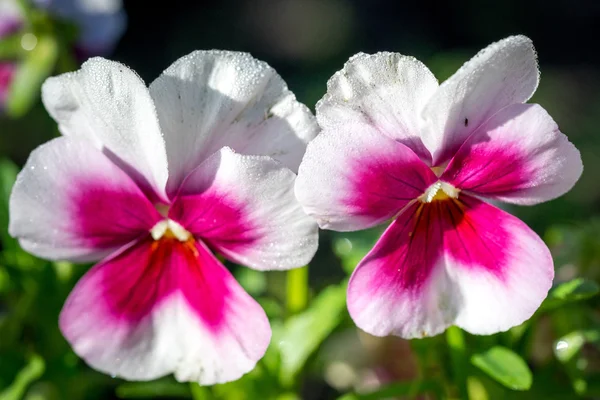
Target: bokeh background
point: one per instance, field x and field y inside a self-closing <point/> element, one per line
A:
<point x="307" y="41"/>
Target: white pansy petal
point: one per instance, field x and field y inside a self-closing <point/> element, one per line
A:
<point x="386" y="91"/>
<point x="211" y="99"/>
<point x="244" y="207"/>
<point x="502" y="74"/>
<point x="108" y="104"/>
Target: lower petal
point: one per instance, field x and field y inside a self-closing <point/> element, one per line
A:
<point x="161" y="307"/>
<point x="449" y="262"/>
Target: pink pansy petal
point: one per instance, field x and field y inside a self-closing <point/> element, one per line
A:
<point x="7" y="73"/>
<point x="71" y="202"/>
<point x="355" y="181"/>
<point x="161" y="307"/>
<point x="519" y="156"/>
<point x="502" y="74"/>
<point x="108" y="104"/>
<point x="385" y="91"/>
<point x="244" y="207"/>
<point x="450" y="262"/>
<point x="211" y="99"/>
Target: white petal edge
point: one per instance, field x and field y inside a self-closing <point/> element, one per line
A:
<point x="384" y="90"/>
<point x="504" y="73"/>
<point x="108" y="104"/>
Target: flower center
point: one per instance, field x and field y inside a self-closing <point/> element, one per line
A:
<point x="169" y="229"/>
<point x="439" y="191"/>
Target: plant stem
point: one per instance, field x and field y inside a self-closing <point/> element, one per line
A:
<point x="199" y="392"/>
<point x="458" y="356"/>
<point x="297" y="289"/>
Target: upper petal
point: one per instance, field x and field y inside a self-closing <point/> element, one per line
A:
<point x="519" y="156"/>
<point x="71" y="202"/>
<point x="244" y="207"/>
<point x="161" y="307"/>
<point x="460" y="262"/>
<point x="211" y="99"/>
<point x="386" y="91"/>
<point x="108" y="104"/>
<point x="502" y="74"/>
<point x="355" y="181"/>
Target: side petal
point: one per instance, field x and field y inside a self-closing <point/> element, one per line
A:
<point x="165" y="307"/>
<point x="244" y="207"/>
<point x="350" y="182"/>
<point x="211" y="99"/>
<point x="518" y="156"/>
<point x="71" y="202"/>
<point x="108" y="104"/>
<point x="449" y="262"/>
<point x="502" y="74"/>
<point x="385" y="91"/>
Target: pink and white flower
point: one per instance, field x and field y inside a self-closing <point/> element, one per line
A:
<point x="396" y="145"/>
<point x="153" y="181"/>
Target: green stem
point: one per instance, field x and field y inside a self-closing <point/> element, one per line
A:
<point x="200" y="392"/>
<point x="458" y="356"/>
<point x="297" y="289"/>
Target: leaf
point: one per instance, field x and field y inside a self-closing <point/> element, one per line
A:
<point x="37" y="66"/>
<point x="8" y="175"/>
<point x="351" y="247"/>
<point x="569" y="345"/>
<point x="30" y="373"/>
<point x="303" y="333"/>
<point x="567" y="292"/>
<point x="504" y="366"/>
<point x="158" y="388"/>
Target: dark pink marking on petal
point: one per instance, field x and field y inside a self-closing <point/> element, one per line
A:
<point x="450" y="261"/>
<point x="144" y="275"/>
<point x="217" y="219"/>
<point x="468" y="230"/>
<point x="383" y="185"/>
<point x="488" y="168"/>
<point x="107" y="215"/>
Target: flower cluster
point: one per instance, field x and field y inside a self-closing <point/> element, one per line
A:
<point x="154" y="182"/>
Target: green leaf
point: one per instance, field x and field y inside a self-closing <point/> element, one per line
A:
<point x="34" y="69"/>
<point x="303" y="333"/>
<point x="351" y="247"/>
<point x="158" y="388"/>
<point x="567" y="292"/>
<point x="10" y="47"/>
<point x="569" y="345"/>
<point x="8" y="175"/>
<point x="32" y="371"/>
<point x="504" y="366"/>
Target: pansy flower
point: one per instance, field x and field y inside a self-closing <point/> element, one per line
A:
<point x="153" y="182"/>
<point x="398" y="146"/>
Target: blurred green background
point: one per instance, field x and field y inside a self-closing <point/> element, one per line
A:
<point x="317" y="353"/>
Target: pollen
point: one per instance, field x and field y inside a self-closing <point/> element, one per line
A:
<point x="169" y="229"/>
<point x="439" y="191"/>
